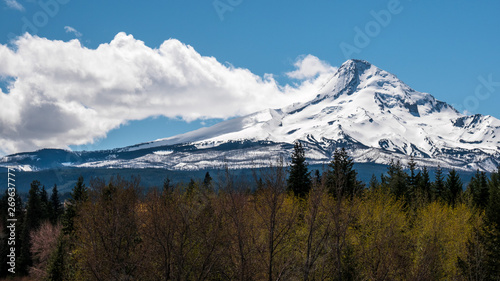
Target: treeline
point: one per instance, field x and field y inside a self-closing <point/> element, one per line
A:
<point x="294" y="226"/>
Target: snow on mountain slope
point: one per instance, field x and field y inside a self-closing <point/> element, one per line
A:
<point x="373" y="109"/>
<point x="369" y="111"/>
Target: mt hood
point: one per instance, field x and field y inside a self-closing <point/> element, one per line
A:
<point x="362" y="108"/>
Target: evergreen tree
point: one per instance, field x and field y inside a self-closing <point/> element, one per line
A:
<point x="373" y="182"/>
<point x="78" y="195"/>
<point x="207" y="181"/>
<point x="33" y="220"/>
<point x="167" y="186"/>
<point x="192" y="187"/>
<point x="396" y="180"/>
<point x="55" y="207"/>
<point x="453" y="187"/>
<point x="425" y="185"/>
<point x="492" y="228"/>
<point x="317" y="177"/>
<point x="108" y="192"/>
<point x="478" y="189"/>
<point x="260" y="184"/>
<point x="342" y="178"/>
<point x="384" y="182"/>
<point x="57" y="263"/>
<point x="438" y="186"/>
<point x="299" y="180"/>
<point x="412" y="179"/>
<point x="44" y="200"/>
<point x="493" y="207"/>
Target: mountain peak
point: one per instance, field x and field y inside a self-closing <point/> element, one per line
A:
<point x="369" y="86"/>
<point x="346" y="79"/>
<point x="354" y="66"/>
<point x="356" y="63"/>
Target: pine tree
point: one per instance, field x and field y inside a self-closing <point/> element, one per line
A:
<point x="299" y="180"/>
<point x="412" y="179"/>
<point x="78" y="195"/>
<point x="478" y="189"/>
<point x="260" y="185"/>
<point x="492" y="227"/>
<point x="207" y="181"/>
<point x="438" y="191"/>
<point x="57" y="263"/>
<point x="373" y="182"/>
<point x="167" y="186"/>
<point x="342" y="178"/>
<point x="33" y="220"/>
<point x="396" y="180"/>
<point x="44" y="200"/>
<point x="55" y="208"/>
<point x="453" y="187"/>
<point x="192" y="187"/>
<point x="425" y="185"/>
<point x="317" y="177"/>
<point x="493" y="207"/>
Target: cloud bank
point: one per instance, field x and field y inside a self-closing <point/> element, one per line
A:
<point x="62" y="93"/>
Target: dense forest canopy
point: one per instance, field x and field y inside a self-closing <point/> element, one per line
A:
<point x="295" y="225"/>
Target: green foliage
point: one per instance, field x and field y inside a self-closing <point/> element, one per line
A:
<point x="453" y="187"/>
<point x="478" y="189"/>
<point x="335" y="233"/>
<point x="472" y="264"/>
<point x="78" y="196"/>
<point x="493" y="207"/>
<point x="374" y="184"/>
<point x="492" y="228"/>
<point x="106" y="234"/>
<point x="438" y="187"/>
<point x="44" y="200"/>
<point x="424" y="185"/>
<point x="56" y="269"/>
<point x="317" y="177"/>
<point x="192" y="187"/>
<point x="168" y="187"/>
<point x="440" y="236"/>
<point x="207" y="182"/>
<point x="299" y="179"/>
<point x="414" y="177"/>
<point x="342" y="177"/>
<point x="55" y="209"/>
<point x="396" y="180"/>
<point x="382" y="236"/>
<point x="33" y="219"/>
<point x="34" y="207"/>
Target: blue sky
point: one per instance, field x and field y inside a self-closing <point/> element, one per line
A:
<point x="446" y="48"/>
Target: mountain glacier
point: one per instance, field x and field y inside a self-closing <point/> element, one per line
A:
<point x="367" y="110"/>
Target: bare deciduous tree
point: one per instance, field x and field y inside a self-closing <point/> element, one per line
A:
<point x="43" y="243"/>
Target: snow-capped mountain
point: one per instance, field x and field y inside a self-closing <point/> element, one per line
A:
<point x="369" y="111"/>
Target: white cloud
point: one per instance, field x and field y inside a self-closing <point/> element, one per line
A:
<point x="309" y="67"/>
<point x="66" y="94"/>
<point x="13" y="4"/>
<point x="70" y="29"/>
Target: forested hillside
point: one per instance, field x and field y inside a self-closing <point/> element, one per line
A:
<point x="295" y="225"/>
